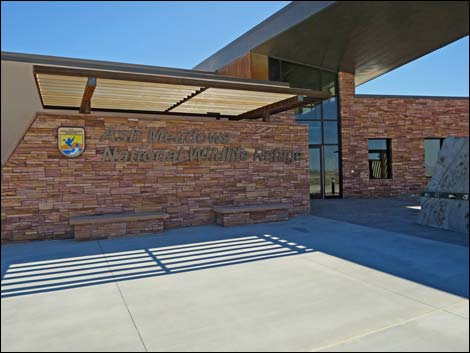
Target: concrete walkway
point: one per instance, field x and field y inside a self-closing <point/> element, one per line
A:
<point x="309" y="284"/>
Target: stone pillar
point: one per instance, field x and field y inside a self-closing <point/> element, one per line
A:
<point x="349" y="148"/>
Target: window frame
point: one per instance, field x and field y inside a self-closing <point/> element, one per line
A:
<point x="388" y="153"/>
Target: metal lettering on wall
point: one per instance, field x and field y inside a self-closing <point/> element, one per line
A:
<point x="196" y="151"/>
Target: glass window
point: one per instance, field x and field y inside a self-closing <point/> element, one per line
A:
<point x="309" y="112"/>
<point x="300" y="76"/>
<point x="315" y="171"/>
<point x="330" y="130"/>
<point x="379" y="159"/>
<point x="431" y="154"/>
<point x="330" y="109"/>
<point x="331" y="156"/>
<point x="377" y="144"/>
<point x="328" y="82"/>
<point x="274" y="69"/>
<point x="314" y="133"/>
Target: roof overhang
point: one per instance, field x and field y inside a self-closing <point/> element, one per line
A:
<point x="368" y="38"/>
<point x="165" y="93"/>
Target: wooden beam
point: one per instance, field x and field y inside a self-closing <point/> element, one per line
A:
<point x="186" y="99"/>
<point x="85" y="107"/>
<point x="185" y="81"/>
<point x="217" y="116"/>
<point x="278" y="107"/>
<point x="266" y="116"/>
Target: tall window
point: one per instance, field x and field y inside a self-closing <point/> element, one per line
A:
<point x="323" y="123"/>
<point x="323" y="139"/>
<point x="432" y="146"/>
<point x="379" y="159"/>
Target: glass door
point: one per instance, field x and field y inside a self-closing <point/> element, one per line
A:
<point x="315" y="172"/>
<point x="324" y="144"/>
<point x="324" y="173"/>
<point x="331" y="172"/>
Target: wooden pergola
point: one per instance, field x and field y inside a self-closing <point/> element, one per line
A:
<point x="172" y="94"/>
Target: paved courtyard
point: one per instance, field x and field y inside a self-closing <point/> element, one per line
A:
<point x="309" y="284"/>
<point x="398" y="214"/>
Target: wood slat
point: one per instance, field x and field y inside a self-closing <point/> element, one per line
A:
<point x="229" y="102"/>
<point x="154" y="95"/>
<point x="55" y="90"/>
<point x="138" y="95"/>
<point x="214" y="82"/>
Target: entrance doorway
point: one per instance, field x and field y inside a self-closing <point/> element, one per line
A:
<point x="324" y="173"/>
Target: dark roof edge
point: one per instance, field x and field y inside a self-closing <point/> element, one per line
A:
<point x="124" y="67"/>
<point x="407" y="96"/>
<point x="62" y="60"/>
<point x="280" y="21"/>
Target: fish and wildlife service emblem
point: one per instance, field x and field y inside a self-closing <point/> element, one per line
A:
<point x="71" y="141"/>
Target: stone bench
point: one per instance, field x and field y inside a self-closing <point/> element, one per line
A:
<point x="117" y="225"/>
<point x="236" y="215"/>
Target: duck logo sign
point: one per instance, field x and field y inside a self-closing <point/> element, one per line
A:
<point x="71" y="141"/>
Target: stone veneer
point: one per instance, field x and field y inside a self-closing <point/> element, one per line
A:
<point x="407" y="121"/>
<point x="117" y="229"/>
<point x="41" y="189"/>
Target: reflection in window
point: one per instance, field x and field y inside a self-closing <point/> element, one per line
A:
<point x="379" y="159"/>
<point x="314" y="133"/>
<point x="330" y="129"/>
<point x="322" y="120"/>
<point x="328" y="82"/>
<point x="331" y="156"/>
<point x="309" y="112"/>
<point x="330" y="109"/>
<point x="315" y="171"/>
<point x="302" y="76"/>
<point x="432" y="147"/>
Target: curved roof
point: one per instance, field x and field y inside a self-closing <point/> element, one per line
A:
<point x="368" y="38"/>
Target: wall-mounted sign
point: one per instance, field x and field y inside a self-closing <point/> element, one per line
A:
<point x="191" y="146"/>
<point x="71" y="141"/>
<point x="194" y="145"/>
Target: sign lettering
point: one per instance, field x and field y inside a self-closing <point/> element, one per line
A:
<point x="194" y="147"/>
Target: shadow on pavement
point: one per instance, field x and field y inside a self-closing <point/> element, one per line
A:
<point x="126" y="260"/>
<point x="56" y="265"/>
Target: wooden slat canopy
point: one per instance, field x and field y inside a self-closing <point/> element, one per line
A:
<point x="102" y="90"/>
<point x="229" y="102"/>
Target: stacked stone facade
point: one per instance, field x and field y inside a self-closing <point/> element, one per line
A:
<point x="42" y="189"/>
<point x="407" y="121"/>
<point x="117" y="229"/>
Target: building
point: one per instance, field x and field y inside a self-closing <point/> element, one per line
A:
<point x="271" y="119"/>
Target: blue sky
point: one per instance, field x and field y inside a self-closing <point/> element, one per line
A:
<point x="182" y="34"/>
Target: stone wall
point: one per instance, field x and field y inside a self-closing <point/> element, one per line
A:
<point x="42" y="189"/>
<point x="406" y="121"/>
